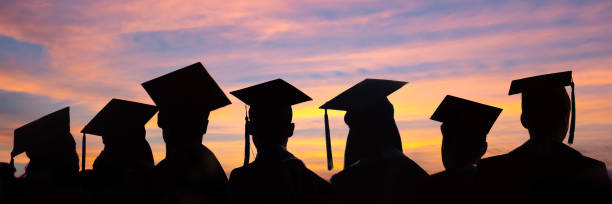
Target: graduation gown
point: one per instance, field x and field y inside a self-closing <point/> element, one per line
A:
<point x="277" y="177"/>
<point x="7" y="183"/>
<point x="454" y="186"/>
<point x="49" y="180"/>
<point x="121" y="175"/>
<point x="391" y="178"/>
<point x="195" y="178"/>
<point x="561" y="175"/>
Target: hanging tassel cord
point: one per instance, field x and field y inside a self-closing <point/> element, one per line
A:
<point x="247" y="141"/>
<point x="330" y="162"/>
<point x="12" y="163"/>
<point x="570" y="140"/>
<point x="84" y="147"/>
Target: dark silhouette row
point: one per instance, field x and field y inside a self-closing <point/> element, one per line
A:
<point x="542" y="170"/>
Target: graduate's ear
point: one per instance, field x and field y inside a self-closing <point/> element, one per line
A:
<point x="205" y="124"/>
<point x="524" y="120"/>
<point x="249" y="127"/>
<point x="290" y="129"/>
<point x="160" y="119"/>
<point x="444" y="129"/>
<point x="483" y="149"/>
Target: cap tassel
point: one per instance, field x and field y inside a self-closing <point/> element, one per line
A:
<point x="12" y="163"/>
<point x="570" y="140"/>
<point x="247" y="141"/>
<point x="83" y="153"/>
<point x="330" y="162"/>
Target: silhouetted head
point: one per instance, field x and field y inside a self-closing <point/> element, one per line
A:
<point x="125" y="151"/>
<point x="465" y="125"/>
<point x="372" y="130"/>
<point x="182" y="128"/>
<point x="546" y="114"/>
<point x="121" y="124"/>
<point x="53" y="160"/>
<point x="461" y="145"/>
<point x="270" y="114"/>
<point x="270" y="126"/>
<point x="185" y="98"/>
<point x="369" y="115"/>
<point x="125" y="137"/>
<point x="546" y="106"/>
<point x="49" y="145"/>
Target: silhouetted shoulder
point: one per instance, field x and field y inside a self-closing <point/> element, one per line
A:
<point x="533" y="176"/>
<point x="308" y="177"/>
<point x="594" y="172"/>
<point x="491" y="162"/>
<point x="239" y="173"/>
<point x="206" y="153"/>
<point x="589" y="162"/>
<point x="454" y="186"/>
<point x="364" y="167"/>
<point x="290" y="167"/>
<point x="439" y="176"/>
<point x="206" y="165"/>
<point x="387" y="180"/>
<point x="279" y="181"/>
<point x="593" y="163"/>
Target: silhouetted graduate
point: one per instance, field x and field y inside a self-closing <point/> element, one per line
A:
<point x="276" y="176"/>
<point x="465" y="125"/>
<point x="122" y="170"/>
<point x="7" y="183"/>
<point x="190" y="173"/>
<point x="50" y="177"/>
<point x="375" y="168"/>
<point x="543" y="169"/>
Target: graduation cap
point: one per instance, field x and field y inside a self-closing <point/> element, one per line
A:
<point x="548" y="82"/>
<point x="118" y="115"/>
<point x="275" y="93"/>
<point x="474" y="114"/>
<point x="358" y="97"/>
<point x="50" y="127"/>
<point x="188" y="89"/>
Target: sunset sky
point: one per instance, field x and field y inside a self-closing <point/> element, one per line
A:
<point x="83" y="53"/>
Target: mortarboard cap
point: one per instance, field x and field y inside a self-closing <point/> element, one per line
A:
<point x="119" y="114"/>
<point x="548" y="82"/>
<point x="363" y="94"/>
<point x="358" y="97"/>
<point x="541" y="82"/>
<point x="272" y="93"/>
<point x="190" y="88"/>
<point x="116" y="116"/>
<point x="49" y="128"/>
<point x="473" y="114"/>
<point x="275" y="93"/>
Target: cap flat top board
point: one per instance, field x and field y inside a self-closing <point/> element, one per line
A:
<point x="190" y="88"/>
<point x="363" y="93"/>
<point x="272" y="93"/>
<point x="541" y="82"/>
<point x="48" y="128"/>
<point x="118" y="115"/>
<point x="474" y="114"/>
